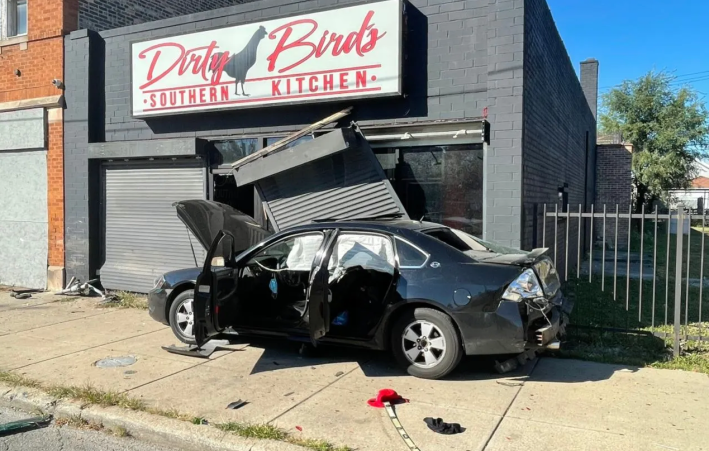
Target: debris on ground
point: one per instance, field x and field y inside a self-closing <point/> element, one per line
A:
<point x="339" y="373"/>
<point x="513" y="363"/>
<point x="75" y="287"/>
<point x="115" y="362"/>
<point x="439" y="426"/>
<point x="22" y="425"/>
<point x="236" y="404"/>
<point x="17" y="295"/>
<point x="299" y="428"/>
<point x="510" y="384"/>
<point x="386" y="395"/>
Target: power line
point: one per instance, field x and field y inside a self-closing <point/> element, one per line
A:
<point x="672" y="83"/>
<point x="673" y="77"/>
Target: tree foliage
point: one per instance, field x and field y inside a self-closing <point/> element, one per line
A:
<point x="667" y="126"/>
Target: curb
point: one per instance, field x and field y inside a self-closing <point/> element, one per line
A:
<point x="140" y="425"/>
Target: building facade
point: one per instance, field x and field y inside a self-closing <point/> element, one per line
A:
<point x="32" y="104"/>
<point x="31" y="160"/>
<point x="473" y="109"/>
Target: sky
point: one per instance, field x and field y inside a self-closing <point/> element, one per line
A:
<point x="631" y="37"/>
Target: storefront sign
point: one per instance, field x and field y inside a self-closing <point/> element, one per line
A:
<point x="336" y="54"/>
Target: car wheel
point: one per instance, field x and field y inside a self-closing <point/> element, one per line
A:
<point x="182" y="317"/>
<point x="426" y="343"/>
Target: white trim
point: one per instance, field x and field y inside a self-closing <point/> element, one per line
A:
<point x="396" y="251"/>
<point x="5" y="39"/>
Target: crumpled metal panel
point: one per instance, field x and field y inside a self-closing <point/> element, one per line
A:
<point x="346" y="183"/>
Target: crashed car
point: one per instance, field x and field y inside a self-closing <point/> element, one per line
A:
<point x="427" y="292"/>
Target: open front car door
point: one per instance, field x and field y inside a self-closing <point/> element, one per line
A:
<point x="215" y="295"/>
<point x="319" y="292"/>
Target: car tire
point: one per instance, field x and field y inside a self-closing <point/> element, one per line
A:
<point x="179" y="312"/>
<point x="435" y="358"/>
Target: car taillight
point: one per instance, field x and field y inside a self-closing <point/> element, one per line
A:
<point x="525" y="286"/>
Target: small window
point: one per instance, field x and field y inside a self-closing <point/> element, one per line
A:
<point x="235" y="149"/>
<point x="450" y="238"/>
<point x="273" y="140"/>
<point x="409" y="256"/>
<point x="16" y="17"/>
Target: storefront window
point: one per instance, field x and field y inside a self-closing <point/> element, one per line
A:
<point x="441" y="184"/>
<point x="236" y="149"/>
<point x="274" y="140"/>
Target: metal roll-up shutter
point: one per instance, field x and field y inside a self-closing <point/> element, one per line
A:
<point x="143" y="236"/>
<point x="344" y="185"/>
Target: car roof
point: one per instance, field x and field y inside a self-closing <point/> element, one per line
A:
<point x="381" y="225"/>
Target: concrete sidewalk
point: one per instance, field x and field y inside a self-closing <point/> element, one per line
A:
<point x="548" y="405"/>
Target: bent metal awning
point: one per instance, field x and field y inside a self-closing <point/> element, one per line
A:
<point x="335" y="175"/>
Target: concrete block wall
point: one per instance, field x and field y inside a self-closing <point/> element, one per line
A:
<point x="77" y="48"/>
<point x="505" y="87"/>
<point x="471" y="51"/>
<point x="559" y="134"/>
<point x="99" y="15"/>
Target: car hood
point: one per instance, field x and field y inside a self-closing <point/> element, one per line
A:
<point x="206" y="218"/>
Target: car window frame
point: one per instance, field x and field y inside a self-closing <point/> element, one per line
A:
<point x="249" y="254"/>
<point x="418" y="248"/>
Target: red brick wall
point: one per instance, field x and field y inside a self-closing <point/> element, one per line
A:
<point x="40" y="59"/>
<point x="55" y="187"/>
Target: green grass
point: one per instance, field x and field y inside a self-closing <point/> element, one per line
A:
<point x="269" y="432"/>
<point x="93" y="396"/>
<point x="127" y="299"/>
<point x="262" y="431"/>
<point x="640" y="309"/>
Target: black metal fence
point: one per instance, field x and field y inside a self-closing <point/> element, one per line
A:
<point x="631" y="271"/>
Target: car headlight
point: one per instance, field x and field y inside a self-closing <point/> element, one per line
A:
<point x="526" y="286"/>
<point x="159" y="282"/>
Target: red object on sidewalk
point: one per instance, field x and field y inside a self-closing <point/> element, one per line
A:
<point x="386" y="395"/>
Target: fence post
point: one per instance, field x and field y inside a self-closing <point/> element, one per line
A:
<point x="678" y="280"/>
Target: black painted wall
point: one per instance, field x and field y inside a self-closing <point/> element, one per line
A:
<point x="558" y="128"/>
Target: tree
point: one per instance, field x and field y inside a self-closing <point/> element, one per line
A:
<point x="668" y="127"/>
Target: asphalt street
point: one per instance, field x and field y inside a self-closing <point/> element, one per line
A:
<point x="65" y="438"/>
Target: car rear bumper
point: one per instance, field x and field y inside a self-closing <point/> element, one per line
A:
<point x="157" y="301"/>
<point x="511" y="330"/>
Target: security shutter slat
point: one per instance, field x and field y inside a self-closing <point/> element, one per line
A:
<point x="345" y="185"/>
<point x="143" y="236"/>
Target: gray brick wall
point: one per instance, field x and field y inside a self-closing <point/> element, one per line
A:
<point x="76" y="163"/>
<point x="589" y="83"/>
<point x="505" y="84"/>
<point x="99" y="15"/>
<point x="559" y="129"/>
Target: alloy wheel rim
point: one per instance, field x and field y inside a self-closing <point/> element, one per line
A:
<point x="185" y="318"/>
<point x="423" y="344"/>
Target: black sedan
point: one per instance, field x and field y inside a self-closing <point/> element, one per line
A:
<point x="428" y="292"/>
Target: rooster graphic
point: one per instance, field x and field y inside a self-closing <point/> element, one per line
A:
<point x="239" y="64"/>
